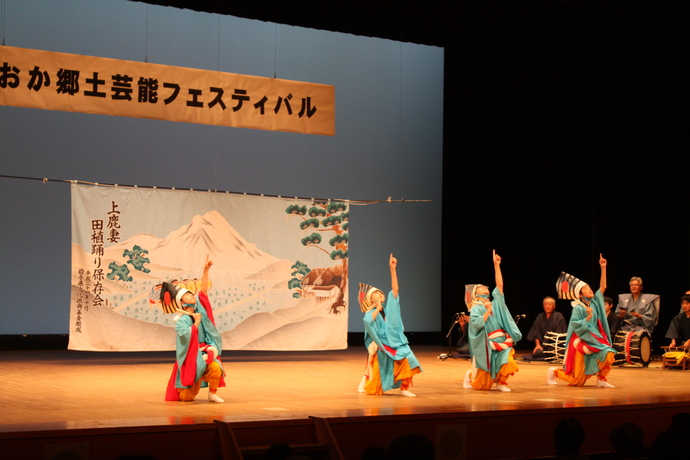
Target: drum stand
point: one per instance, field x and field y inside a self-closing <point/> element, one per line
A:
<point x="444" y="356"/>
<point x="554" y="347"/>
<point x="672" y="362"/>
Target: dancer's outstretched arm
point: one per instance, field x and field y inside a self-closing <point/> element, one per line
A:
<point x="497" y="270"/>
<point x="602" y="282"/>
<point x="393" y="263"/>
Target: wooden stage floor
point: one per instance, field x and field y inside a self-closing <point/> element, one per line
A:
<point x="70" y="390"/>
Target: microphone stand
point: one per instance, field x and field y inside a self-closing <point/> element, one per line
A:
<point x="444" y="356"/>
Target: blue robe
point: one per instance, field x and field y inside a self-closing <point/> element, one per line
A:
<point x="391" y="333"/>
<point x="484" y="357"/>
<point x="589" y="332"/>
<point x="187" y="342"/>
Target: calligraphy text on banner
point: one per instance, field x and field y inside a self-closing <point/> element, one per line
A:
<point x="75" y="83"/>
<point x="278" y="280"/>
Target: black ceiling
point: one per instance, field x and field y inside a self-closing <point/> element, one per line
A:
<point x="431" y="23"/>
<point x="393" y="19"/>
<point x="443" y="23"/>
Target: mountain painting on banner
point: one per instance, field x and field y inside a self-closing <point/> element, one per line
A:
<point x="277" y="283"/>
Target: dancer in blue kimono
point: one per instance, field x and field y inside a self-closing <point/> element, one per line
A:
<point x="390" y="363"/>
<point x="198" y="342"/>
<point x="492" y="335"/>
<point x="588" y="350"/>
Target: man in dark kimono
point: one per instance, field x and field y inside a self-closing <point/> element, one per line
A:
<point x="679" y="329"/>
<point x="549" y="320"/>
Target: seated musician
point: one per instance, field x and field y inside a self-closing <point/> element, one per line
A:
<point x="679" y="329"/>
<point x="549" y="320"/>
<point x="613" y="320"/>
<point x="637" y="311"/>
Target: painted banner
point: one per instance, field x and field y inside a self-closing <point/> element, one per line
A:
<point x="278" y="280"/>
<point x="75" y="83"/>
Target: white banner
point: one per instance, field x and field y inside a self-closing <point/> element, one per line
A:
<point x="278" y="280"/>
<point x="75" y="83"/>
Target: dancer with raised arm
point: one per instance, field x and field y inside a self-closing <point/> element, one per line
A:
<point x="588" y="350"/>
<point x="198" y="342"/>
<point x="492" y="335"/>
<point x="391" y="363"/>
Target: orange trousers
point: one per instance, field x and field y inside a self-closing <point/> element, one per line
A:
<point x="483" y="381"/>
<point x="211" y="375"/>
<point x="401" y="371"/>
<point x="578" y="377"/>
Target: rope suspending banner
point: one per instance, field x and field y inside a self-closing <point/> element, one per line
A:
<point x="353" y="202"/>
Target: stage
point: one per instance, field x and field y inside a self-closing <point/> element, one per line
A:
<point x="104" y="405"/>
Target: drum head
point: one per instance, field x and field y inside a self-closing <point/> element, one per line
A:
<point x="645" y="349"/>
<point x="633" y="348"/>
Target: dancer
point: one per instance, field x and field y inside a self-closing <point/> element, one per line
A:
<point x="390" y="363"/>
<point x="492" y="335"/>
<point x="588" y="340"/>
<point x="198" y="342"/>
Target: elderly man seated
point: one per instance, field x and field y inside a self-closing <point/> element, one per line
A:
<point x="547" y="321"/>
<point x="638" y="311"/>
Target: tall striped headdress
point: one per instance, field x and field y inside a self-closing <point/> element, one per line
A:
<point x="568" y="287"/>
<point x="471" y="294"/>
<point x="169" y="295"/>
<point x="364" y="296"/>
